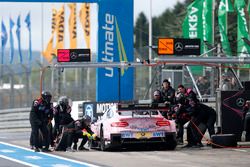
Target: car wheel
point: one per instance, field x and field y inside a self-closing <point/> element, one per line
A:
<point x="102" y="141"/>
<point x="171" y="143"/>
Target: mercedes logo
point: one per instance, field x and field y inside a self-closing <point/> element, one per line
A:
<point x="178" y="46"/>
<point x="240" y="102"/>
<point x="143" y="134"/>
<point x="89" y="110"/>
<point x="73" y="55"/>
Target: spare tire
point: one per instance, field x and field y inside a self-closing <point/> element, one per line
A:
<point x="224" y="140"/>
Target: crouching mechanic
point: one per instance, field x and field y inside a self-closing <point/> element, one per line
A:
<point x="62" y="115"/>
<point x="201" y="114"/>
<point x="79" y="129"/>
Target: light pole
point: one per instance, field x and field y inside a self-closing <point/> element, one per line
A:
<point x="150" y="45"/>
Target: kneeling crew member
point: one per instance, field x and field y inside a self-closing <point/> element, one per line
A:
<point x="76" y="131"/>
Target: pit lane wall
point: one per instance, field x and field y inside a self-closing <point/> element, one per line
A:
<point x="17" y="119"/>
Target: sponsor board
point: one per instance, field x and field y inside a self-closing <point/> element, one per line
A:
<point x="179" y="46"/>
<point x="73" y="55"/>
<point x="115" y="44"/>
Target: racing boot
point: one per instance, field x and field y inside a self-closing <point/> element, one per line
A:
<point x="69" y="149"/>
<point x="75" y="147"/>
<point x="37" y="149"/>
<point x="82" y="148"/>
<point x="46" y="149"/>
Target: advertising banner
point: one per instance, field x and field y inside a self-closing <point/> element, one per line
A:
<point x="179" y="46"/>
<point x="224" y="7"/>
<point x="207" y="22"/>
<point x="84" y="15"/>
<point x="192" y="27"/>
<point x="72" y="26"/>
<point x="242" y="47"/>
<point x="115" y="44"/>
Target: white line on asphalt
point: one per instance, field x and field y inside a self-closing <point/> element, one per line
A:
<point x="240" y="150"/>
<point x="15" y="160"/>
<point x="51" y="155"/>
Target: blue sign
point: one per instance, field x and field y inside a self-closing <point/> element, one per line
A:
<point x="115" y="44"/>
<point x="70" y="1"/>
<point x="30" y="158"/>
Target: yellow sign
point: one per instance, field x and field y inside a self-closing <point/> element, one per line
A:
<point x="141" y="135"/>
<point x="165" y="46"/>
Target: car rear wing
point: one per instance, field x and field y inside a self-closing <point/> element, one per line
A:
<point x="149" y="106"/>
<point x="96" y="109"/>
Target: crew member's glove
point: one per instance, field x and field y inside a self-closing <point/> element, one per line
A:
<point x="86" y="133"/>
<point x="93" y="136"/>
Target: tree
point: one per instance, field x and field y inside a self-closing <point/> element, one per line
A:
<point x="141" y="31"/>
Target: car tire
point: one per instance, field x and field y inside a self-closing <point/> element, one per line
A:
<point x="224" y="140"/>
<point x="171" y="143"/>
<point x="103" y="146"/>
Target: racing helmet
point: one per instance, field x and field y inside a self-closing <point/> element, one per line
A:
<point x="87" y="119"/>
<point x="46" y="96"/>
<point x="63" y="101"/>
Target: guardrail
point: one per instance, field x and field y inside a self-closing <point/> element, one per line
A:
<point x="17" y="119"/>
<point x="14" y="119"/>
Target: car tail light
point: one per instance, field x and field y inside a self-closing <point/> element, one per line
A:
<point x="163" y="123"/>
<point x="119" y="124"/>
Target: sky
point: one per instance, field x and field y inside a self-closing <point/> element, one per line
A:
<point x="41" y="31"/>
<point x="158" y="6"/>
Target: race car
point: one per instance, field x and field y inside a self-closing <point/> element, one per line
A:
<point x="124" y="125"/>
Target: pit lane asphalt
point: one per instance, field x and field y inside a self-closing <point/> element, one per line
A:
<point x="181" y="157"/>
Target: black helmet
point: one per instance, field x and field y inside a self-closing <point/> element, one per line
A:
<point x="63" y="101"/>
<point x="87" y="119"/>
<point x="46" y="96"/>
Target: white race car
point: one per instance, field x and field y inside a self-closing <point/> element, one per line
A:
<point x="121" y="126"/>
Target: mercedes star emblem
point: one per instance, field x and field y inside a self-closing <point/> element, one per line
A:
<point x="240" y="102"/>
<point x="178" y="46"/>
<point x="73" y="55"/>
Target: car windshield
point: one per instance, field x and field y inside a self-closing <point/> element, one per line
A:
<point x="138" y="113"/>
